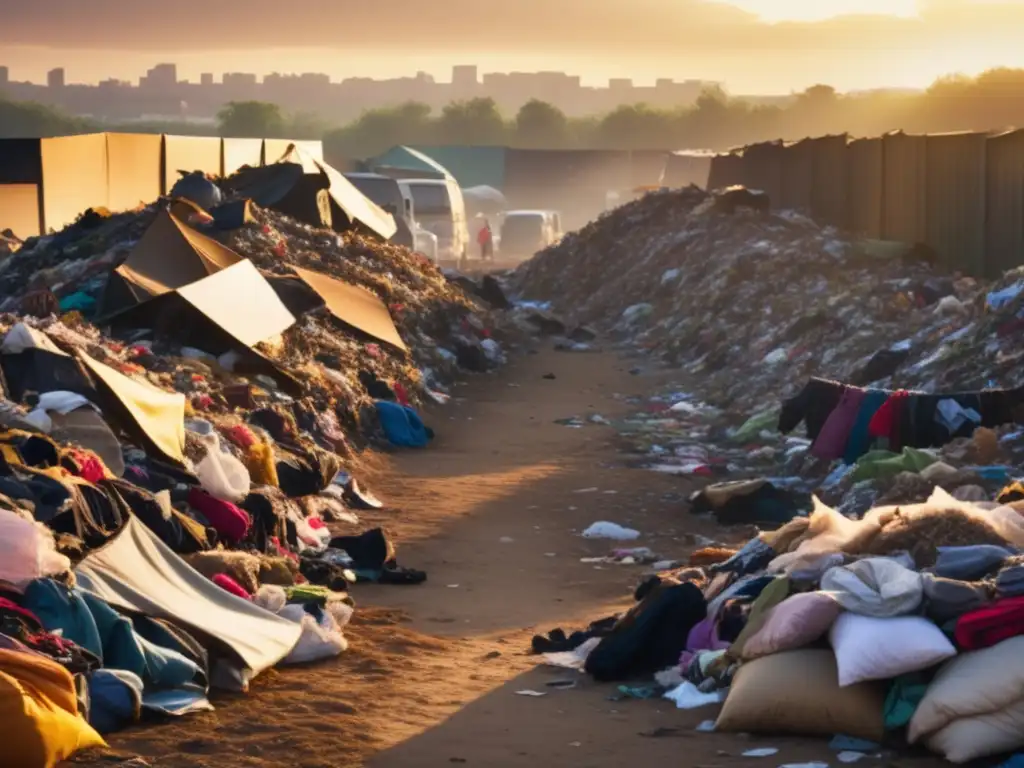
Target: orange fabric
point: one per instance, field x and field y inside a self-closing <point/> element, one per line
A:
<point x="39" y="721"/>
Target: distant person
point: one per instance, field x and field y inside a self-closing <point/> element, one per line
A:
<point x="486" y="240"/>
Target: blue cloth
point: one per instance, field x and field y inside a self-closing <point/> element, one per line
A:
<point x="403" y="425"/>
<point x="858" y="442"/>
<point x="93" y="624"/>
<point x="115" y="699"/>
<point x="80" y="301"/>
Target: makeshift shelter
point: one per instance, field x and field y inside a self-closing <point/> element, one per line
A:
<point x="170" y="255"/>
<point x="138" y="573"/>
<point x="354" y="306"/>
<point x="310" y="190"/>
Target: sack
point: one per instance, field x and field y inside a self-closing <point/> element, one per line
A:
<point x="798" y="692"/>
<point x="971" y="685"/>
<point x="869" y="648"/>
<point x="796" y="622"/>
<point x="220" y="474"/>
<point x="875" y="586"/>
<point x="974" y="737"/>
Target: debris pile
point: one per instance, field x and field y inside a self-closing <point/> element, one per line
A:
<point x="184" y="396"/>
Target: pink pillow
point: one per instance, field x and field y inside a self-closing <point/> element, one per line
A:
<point x="795" y="622"/>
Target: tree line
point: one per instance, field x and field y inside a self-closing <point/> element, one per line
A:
<point x="991" y="101"/>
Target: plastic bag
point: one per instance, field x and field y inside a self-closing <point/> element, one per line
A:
<point x="220" y="474"/>
<point x="319" y="640"/>
<point x="27" y="550"/>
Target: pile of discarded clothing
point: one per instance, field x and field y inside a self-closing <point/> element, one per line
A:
<point x="185" y="393"/>
<point x="906" y="626"/>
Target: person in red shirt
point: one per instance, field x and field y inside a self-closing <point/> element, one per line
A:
<point x="486" y="240"/>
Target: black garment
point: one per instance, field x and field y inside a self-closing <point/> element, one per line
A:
<point x="651" y="636"/>
<point x="556" y="642"/>
<point x="926" y="431"/>
<point x="375" y="388"/>
<point x="883" y="363"/>
<point x="756" y="502"/>
<point x="268" y="507"/>
<point x="491" y="292"/>
<point x="813" y="405"/>
<point x="371" y="550"/>
<point x="181" y="534"/>
<point x="94" y="516"/>
<point x="308" y="474"/>
<point x="324" y="574"/>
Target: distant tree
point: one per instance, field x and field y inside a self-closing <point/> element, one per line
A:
<point x="252" y="120"/>
<point x="27" y="118"/>
<point x="818" y="96"/>
<point x="476" y="121"/>
<point x="542" y="125"/>
<point x="306" y="125"/>
<point x="638" y="126"/>
<point x="377" y="130"/>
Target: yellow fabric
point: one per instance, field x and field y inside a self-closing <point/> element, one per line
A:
<point x="261" y="465"/>
<point x="39" y="721"/>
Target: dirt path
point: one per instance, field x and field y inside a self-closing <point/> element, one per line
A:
<point x="492" y="512"/>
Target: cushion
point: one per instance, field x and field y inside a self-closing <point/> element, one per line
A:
<point x="875" y="586"/>
<point x="973" y="737"/>
<point x="797" y="621"/>
<point x="971" y="685"/>
<point x="879" y="649"/>
<point x="798" y="692"/>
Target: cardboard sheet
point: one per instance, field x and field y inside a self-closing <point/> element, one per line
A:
<point x="190" y="153"/>
<point x="239" y="152"/>
<point x="133" y="169"/>
<point x="170" y="255"/>
<point x="74" y="177"/>
<point x="354" y="306"/>
<point x="241" y="302"/>
<point x="137" y="572"/>
<point x="159" y="415"/>
<point x="19" y="209"/>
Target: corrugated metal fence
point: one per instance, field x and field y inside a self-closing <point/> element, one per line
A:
<point x="960" y="193"/>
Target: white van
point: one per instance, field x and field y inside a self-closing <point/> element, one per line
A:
<point x="524" y="233"/>
<point x="440" y="209"/>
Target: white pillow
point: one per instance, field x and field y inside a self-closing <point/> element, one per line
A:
<point x="868" y="648"/>
<point x="970" y="738"/>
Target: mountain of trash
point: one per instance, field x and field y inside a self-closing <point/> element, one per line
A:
<point x="754" y="303"/>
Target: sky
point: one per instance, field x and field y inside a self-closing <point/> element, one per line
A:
<point x="753" y="46"/>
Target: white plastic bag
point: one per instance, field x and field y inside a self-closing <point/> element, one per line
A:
<point x="220" y="474"/>
<point x="318" y="641"/>
<point x="27" y="550"/>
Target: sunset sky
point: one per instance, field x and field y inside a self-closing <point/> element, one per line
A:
<point x="754" y="46"/>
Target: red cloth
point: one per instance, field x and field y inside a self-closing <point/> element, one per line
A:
<point x="991" y="625"/>
<point x="89" y="465"/>
<point x="230" y="522"/>
<point x="228" y="584"/>
<point x="241" y="436"/>
<point x="886" y="421"/>
<point x="484" y="235"/>
<point x="400" y="393"/>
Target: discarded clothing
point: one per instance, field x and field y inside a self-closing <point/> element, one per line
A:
<point x="403" y="425"/>
<point x="991" y="625"/>
<point x="813" y="405"/>
<point x="831" y="442"/>
<point x="859" y="440"/>
<point x="875" y="586"/>
<point x="746" y="502"/>
<point x="971" y="562"/>
<point x="231" y="523"/>
<point x="946" y="600"/>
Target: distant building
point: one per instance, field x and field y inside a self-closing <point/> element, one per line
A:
<point x="206" y="79"/>
<point x="465" y="76"/>
<point x="5" y="76"/>
<point x="161" y="76"/>
<point x="55" y="78"/>
<point x="240" y="80"/>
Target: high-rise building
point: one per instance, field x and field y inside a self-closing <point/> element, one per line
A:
<point x="465" y="76"/>
<point x="55" y="78"/>
<point x="206" y="78"/>
<point x="162" y="76"/>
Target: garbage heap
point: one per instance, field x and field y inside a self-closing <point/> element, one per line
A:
<point x="879" y="621"/>
<point x="184" y="396"/>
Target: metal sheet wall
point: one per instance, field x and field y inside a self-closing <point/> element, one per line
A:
<point x="190" y="153"/>
<point x="828" y="184"/>
<point x="133" y="169"/>
<point x="904" y="163"/>
<point x="797" y="176"/>
<point x="74" y="177"/>
<point x="725" y="171"/>
<point x="955" y="199"/>
<point x="864" y="177"/>
<point x="19" y="209"/>
<point x="239" y="152"/>
<point x="763" y="168"/>
<point x="1004" y="201"/>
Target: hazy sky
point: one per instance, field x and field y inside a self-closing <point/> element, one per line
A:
<point x="755" y="46"/>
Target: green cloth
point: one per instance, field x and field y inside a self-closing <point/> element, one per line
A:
<point x="307" y="593"/>
<point x="874" y="465"/>
<point x="903" y="699"/>
<point x="756" y="424"/>
<point x="770" y="596"/>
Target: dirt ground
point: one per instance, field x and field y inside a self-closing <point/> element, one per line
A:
<point x="492" y="511"/>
